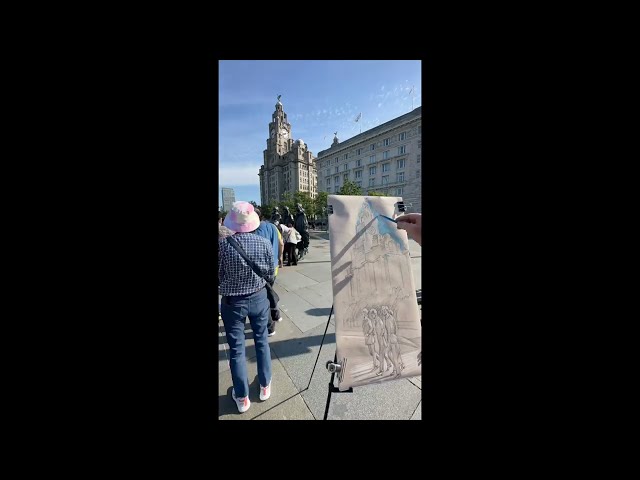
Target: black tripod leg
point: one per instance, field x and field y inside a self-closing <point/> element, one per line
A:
<point x="326" y="410"/>
<point x="320" y="350"/>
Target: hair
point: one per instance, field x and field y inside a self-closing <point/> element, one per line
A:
<point x="289" y="224"/>
<point x="259" y="212"/>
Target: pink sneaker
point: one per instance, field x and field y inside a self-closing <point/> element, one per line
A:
<point x="243" y="403"/>
<point x="265" y="392"/>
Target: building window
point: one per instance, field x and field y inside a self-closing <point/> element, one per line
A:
<point x="373" y="146"/>
<point x="385" y="142"/>
<point x="358" y="163"/>
<point x="399" y="191"/>
<point x="359" y="183"/>
<point x="328" y="171"/>
<point x="419" y="158"/>
<point x="345" y="177"/>
<point x="402" y="149"/>
<point x="372" y="182"/>
<point x="420" y="144"/>
<point x="372" y="170"/>
<point x="385" y="179"/>
<point x="385" y="167"/>
<point x="346" y="155"/>
<point x="336" y="159"/>
<point x="346" y="167"/>
<point x="336" y="169"/>
<point x="328" y="189"/>
<point x="400" y="164"/>
<point x="358" y="151"/>
<point x="358" y="173"/>
<point x="336" y="180"/>
<point x="400" y="177"/>
<point x="372" y="159"/>
<point x="417" y="173"/>
<point x="385" y="155"/>
<point x="402" y="136"/>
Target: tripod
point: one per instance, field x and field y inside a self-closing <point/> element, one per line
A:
<point x="333" y="367"/>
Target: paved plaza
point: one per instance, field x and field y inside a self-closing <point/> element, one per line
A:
<point x="305" y="301"/>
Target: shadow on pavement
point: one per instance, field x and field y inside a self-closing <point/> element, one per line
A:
<point x="284" y="348"/>
<point x="319" y="312"/>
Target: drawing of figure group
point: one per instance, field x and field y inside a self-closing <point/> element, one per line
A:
<point x="381" y="338"/>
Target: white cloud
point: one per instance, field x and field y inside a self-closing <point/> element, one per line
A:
<point x="379" y="105"/>
<point x="239" y="175"/>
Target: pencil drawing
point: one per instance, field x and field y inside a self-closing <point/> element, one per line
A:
<point x="377" y="317"/>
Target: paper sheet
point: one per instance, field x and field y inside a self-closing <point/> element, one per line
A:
<point x="378" y="332"/>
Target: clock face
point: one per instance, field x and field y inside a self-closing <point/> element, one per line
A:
<point x="284" y="133"/>
<point x="273" y="133"/>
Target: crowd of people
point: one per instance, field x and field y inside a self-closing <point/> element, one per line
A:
<point x="251" y="250"/>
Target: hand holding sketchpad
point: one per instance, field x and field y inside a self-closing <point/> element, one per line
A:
<point x="378" y="333"/>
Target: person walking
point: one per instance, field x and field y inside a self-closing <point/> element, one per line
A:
<point x="244" y="295"/>
<point x="291" y="240"/>
<point x="269" y="231"/>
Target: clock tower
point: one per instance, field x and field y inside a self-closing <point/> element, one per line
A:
<point x="279" y="132"/>
<point x="288" y="165"/>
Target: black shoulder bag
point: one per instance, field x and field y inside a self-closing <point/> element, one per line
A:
<point x="274" y="298"/>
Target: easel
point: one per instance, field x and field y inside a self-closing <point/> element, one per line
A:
<point x="334" y="367"/>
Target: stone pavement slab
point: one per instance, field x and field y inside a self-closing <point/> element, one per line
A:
<point x="311" y="295"/>
<point x="285" y="401"/>
<point x="303" y="314"/>
<point x="417" y="415"/>
<point x="292" y="280"/>
<point x="318" y="271"/>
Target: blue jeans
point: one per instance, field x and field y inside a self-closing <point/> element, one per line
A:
<point x="234" y="312"/>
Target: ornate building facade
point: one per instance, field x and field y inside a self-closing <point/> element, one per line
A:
<point x="386" y="158"/>
<point x="289" y="166"/>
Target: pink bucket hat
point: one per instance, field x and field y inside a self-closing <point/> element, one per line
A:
<point x="242" y="218"/>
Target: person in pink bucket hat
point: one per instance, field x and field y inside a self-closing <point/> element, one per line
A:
<point x="244" y="295"/>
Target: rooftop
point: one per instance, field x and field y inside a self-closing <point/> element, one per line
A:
<point x="415" y="113"/>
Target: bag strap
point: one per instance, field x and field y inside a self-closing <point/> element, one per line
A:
<point x="243" y="254"/>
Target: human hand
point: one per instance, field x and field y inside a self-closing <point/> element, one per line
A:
<point x="412" y="224"/>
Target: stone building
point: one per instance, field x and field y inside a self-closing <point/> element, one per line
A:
<point x="289" y="166"/>
<point x="386" y="158"/>
<point x="228" y="197"/>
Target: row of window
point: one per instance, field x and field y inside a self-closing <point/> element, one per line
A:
<point x="372" y="159"/>
<point x="398" y="191"/>
<point x="385" y="143"/>
<point x="385" y="167"/>
<point x="385" y="178"/>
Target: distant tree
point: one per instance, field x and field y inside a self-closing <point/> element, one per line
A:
<point x="307" y="202"/>
<point x="350" y="188"/>
<point x="255" y="205"/>
<point x="320" y="203"/>
<point x="267" y="209"/>
<point x="292" y="199"/>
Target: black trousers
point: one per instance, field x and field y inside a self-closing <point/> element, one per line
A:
<point x="290" y="250"/>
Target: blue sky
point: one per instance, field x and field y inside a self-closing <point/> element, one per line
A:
<point x="319" y="97"/>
